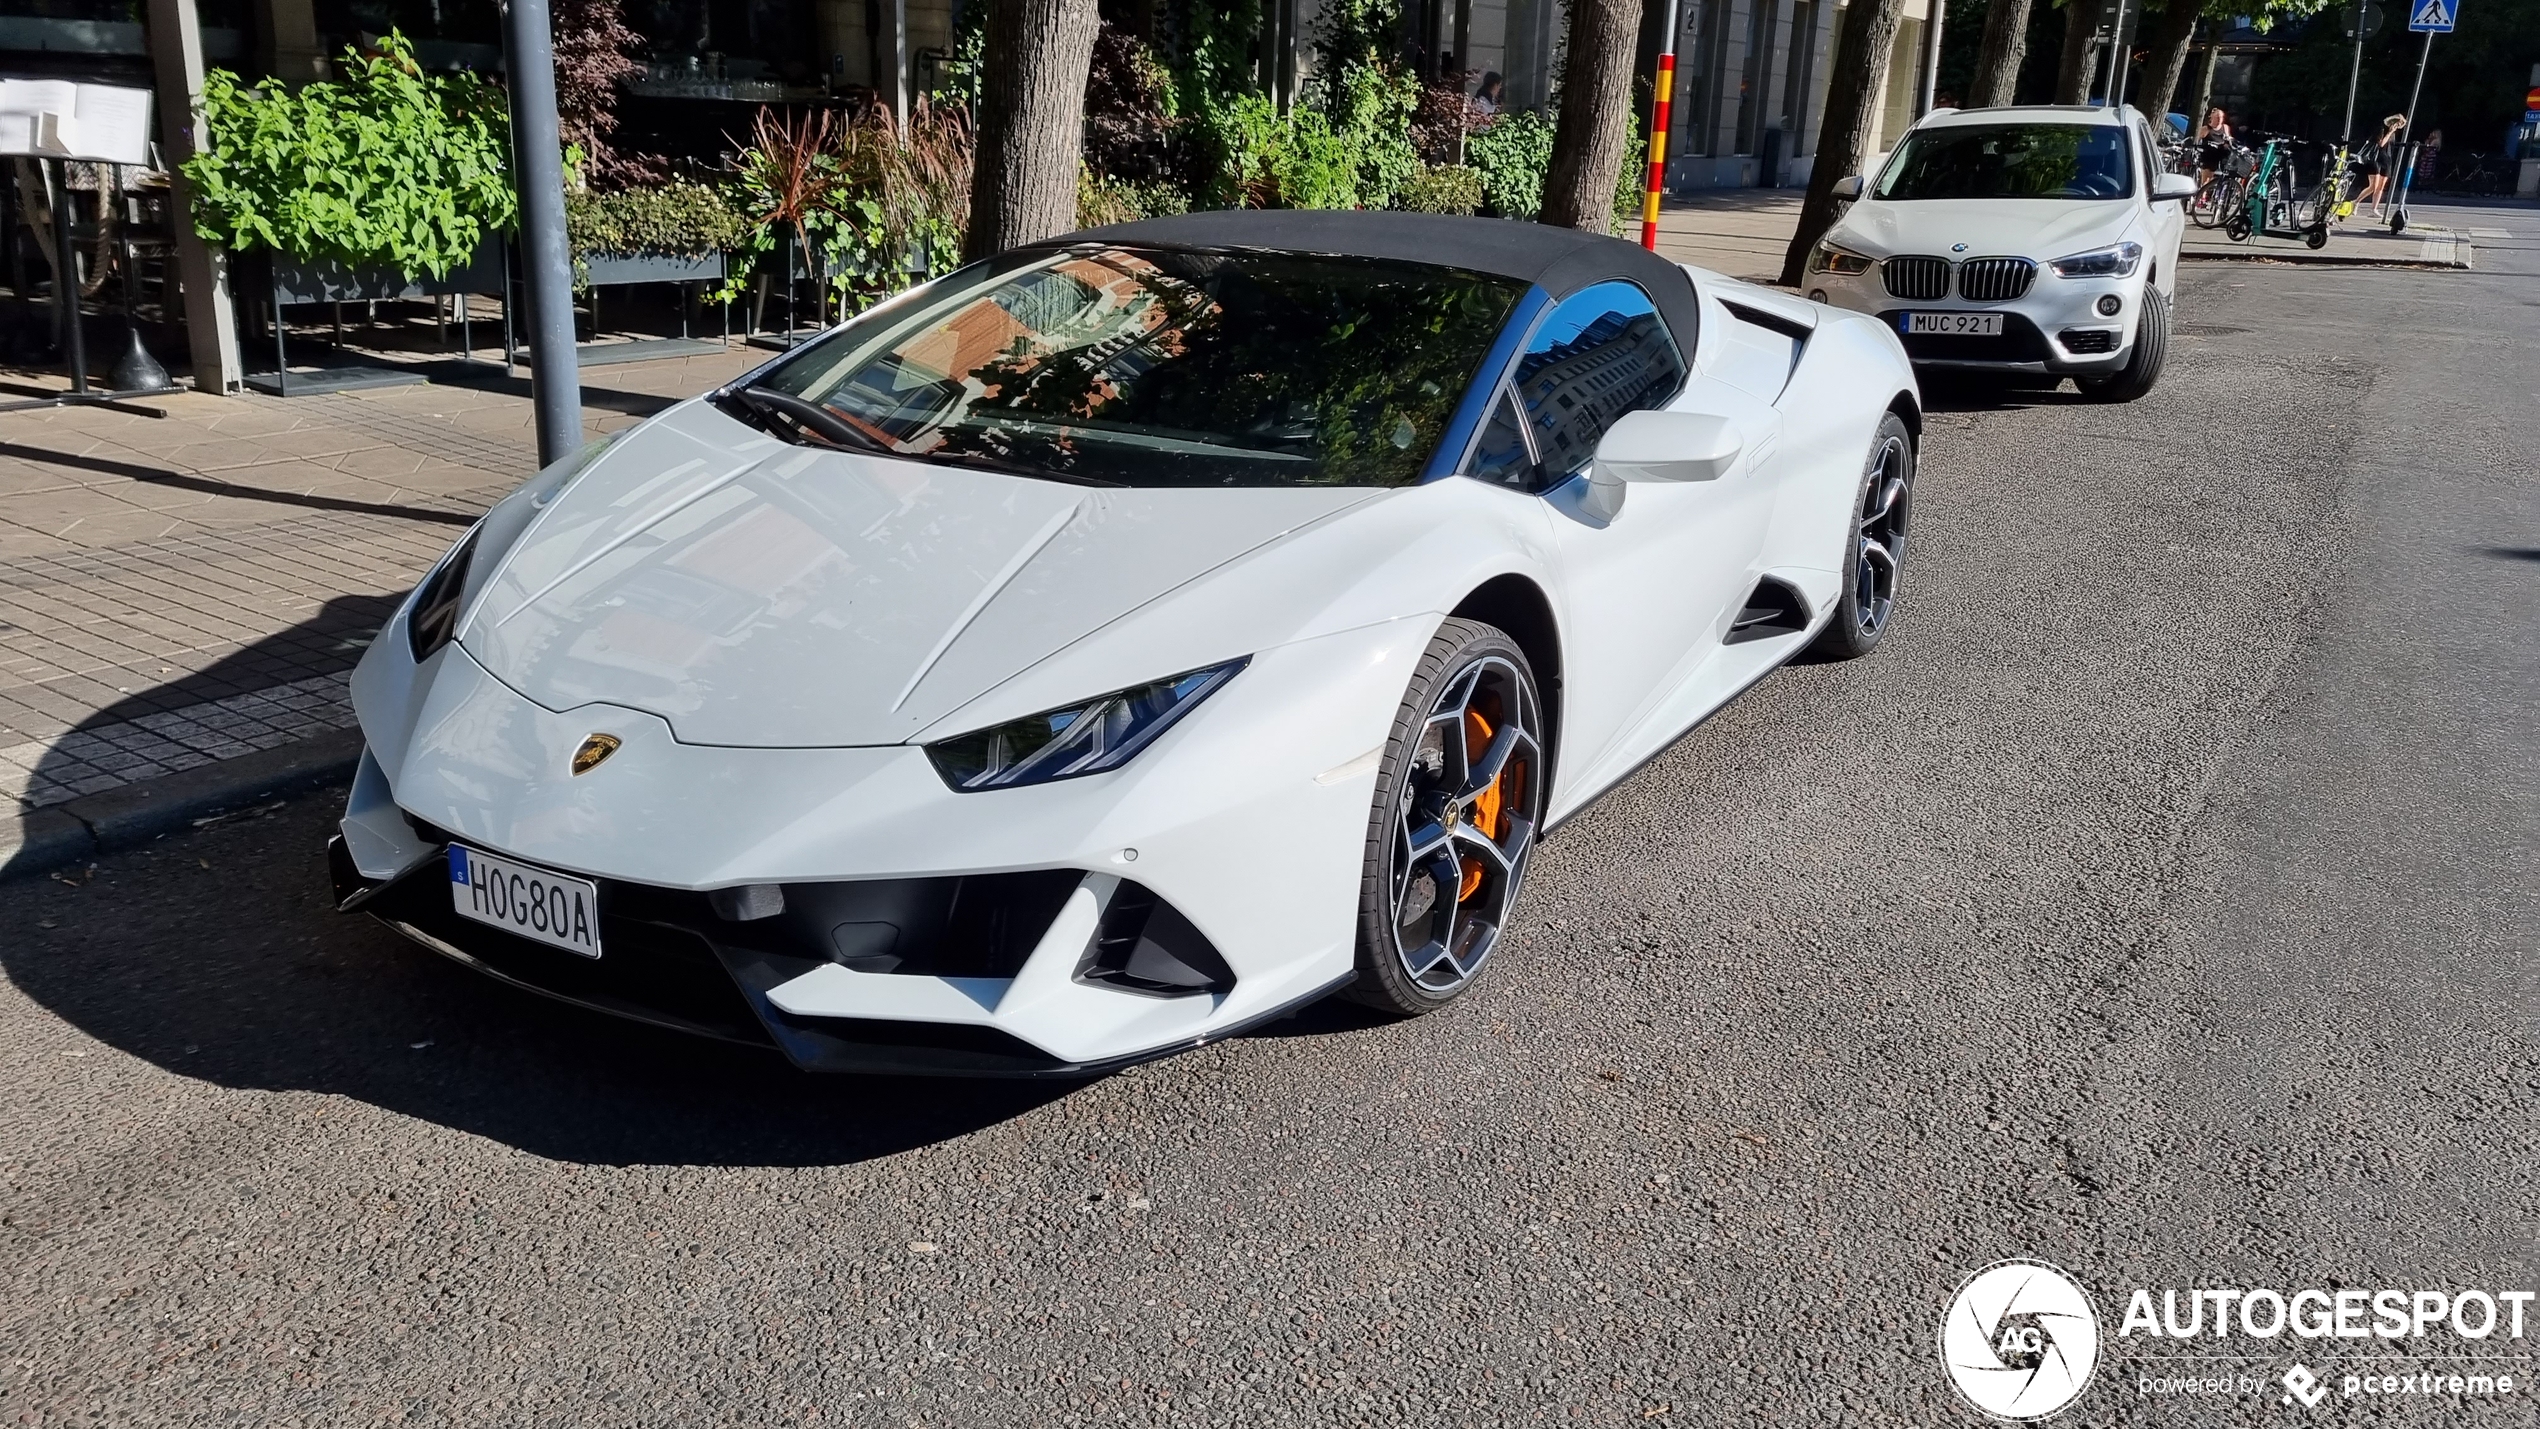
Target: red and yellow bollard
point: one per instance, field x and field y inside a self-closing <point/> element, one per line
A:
<point x="1660" y="101"/>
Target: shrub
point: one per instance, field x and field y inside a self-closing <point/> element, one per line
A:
<point x="1442" y="188"/>
<point x="678" y="217"/>
<point x="1512" y="155"/>
<point x="389" y="168"/>
<point x="1101" y="200"/>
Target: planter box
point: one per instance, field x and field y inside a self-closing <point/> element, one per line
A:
<point x="613" y="270"/>
<point x="300" y="280"/>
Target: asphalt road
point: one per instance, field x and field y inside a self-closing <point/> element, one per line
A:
<point x="2157" y="902"/>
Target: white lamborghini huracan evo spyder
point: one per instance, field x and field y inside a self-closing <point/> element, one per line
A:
<point x="1123" y="640"/>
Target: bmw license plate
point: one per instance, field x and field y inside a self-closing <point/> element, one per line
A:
<point x="552" y="908"/>
<point x="1953" y="324"/>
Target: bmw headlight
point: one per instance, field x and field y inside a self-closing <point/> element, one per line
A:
<point x="1089" y="738"/>
<point x="2117" y="260"/>
<point x="1830" y="259"/>
<point x="434" y="617"/>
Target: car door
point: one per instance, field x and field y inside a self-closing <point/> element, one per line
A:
<point x="2166" y="221"/>
<point x="1650" y="580"/>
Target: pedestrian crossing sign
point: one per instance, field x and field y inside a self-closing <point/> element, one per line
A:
<point x="2433" y="16"/>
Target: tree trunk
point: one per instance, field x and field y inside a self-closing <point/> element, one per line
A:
<point x="2170" y="44"/>
<point x="2081" y="51"/>
<point x="1596" y="114"/>
<point x="1031" y="122"/>
<point x="1998" y="58"/>
<point x="1849" y="132"/>
<point x="2205" y="80"/>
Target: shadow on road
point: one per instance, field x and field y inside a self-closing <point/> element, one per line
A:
<point x="218" y="956"/>
<point x="1965" y="394"/>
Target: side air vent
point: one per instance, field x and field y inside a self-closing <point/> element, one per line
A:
<point x="1774" y="610"/>
<point x="1921" y="279"/>
<point x="1146" y="946"/>
<point x="2087" y="340"/>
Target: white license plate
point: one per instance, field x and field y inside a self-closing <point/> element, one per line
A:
<point x="552" y="908"/>
<point x="1954" y="324"/>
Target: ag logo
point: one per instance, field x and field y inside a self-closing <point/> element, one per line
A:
<point x="2019" y="1340"/>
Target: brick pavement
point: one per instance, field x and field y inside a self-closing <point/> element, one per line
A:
<point x="179" y="591"/>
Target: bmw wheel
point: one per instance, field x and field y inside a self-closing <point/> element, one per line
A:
<point x="1459" y="797"/>
<point x="1875" y="558"/>
<point x="2143" y="367"/>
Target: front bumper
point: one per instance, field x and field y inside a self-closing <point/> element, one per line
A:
<point x="2054" y="329"/>
<point x="1246" y="823"/>
<point x="670" y="960"/>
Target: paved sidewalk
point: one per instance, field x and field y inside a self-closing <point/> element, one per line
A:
<point x="180" y="592"/>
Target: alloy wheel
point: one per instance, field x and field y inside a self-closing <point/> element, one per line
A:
<point x="1465" y="824"/>
<point x="1878" y="543"/>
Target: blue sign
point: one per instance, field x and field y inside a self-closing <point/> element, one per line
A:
<point x="2433" y="16"/>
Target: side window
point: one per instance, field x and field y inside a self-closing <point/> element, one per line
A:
<point x="1603" y="352"/>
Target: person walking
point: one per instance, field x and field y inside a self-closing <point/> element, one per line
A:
<point x="2213" y="146"/>
<point x="2372" y="165"/>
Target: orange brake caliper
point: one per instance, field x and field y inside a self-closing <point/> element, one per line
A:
<point x="1487" y="805"/>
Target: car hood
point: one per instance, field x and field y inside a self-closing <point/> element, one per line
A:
<point x="2042" y="229"/>
<point x="756" y="593"/>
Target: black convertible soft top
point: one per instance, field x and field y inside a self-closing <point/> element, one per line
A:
<point x="1559" y="260"/>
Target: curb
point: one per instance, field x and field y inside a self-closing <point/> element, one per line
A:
<point x="40" y="840"/>
<point x="2314" y="259"/>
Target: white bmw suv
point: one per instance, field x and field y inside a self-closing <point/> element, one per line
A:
<point x="2034" y="240"/>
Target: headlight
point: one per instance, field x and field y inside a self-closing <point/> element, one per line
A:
<point x="1830" y="259"/>
<point x="1100" y="734"/>
<point x="2114" y="261"/>
<point x="434" y="616"/>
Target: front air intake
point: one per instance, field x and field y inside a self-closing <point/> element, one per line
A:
<point x="1920" y="279"/>
<point x="1145" y="945"/>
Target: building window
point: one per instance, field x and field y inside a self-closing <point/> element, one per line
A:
<point x="1755" y="75"/>
<point x="1803" y="49"/>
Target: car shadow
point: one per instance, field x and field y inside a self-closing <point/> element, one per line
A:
<point x="1944" y="394"/>
<point x="216" y="953"/>
<point x="218" y="956"/>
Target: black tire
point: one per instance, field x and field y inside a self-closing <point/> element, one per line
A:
<point x="2317" y="237"/>
<point x="1874" y="552"/>
<point x="2238" y="229"/>
<point x="2142" y="370"/>
<point x="1438" y="828"/>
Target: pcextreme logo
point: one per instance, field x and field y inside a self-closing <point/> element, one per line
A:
<point x="2022" y="1339"/>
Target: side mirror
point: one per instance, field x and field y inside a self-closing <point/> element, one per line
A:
<point x="1848" y="188"/>
<point x="2173" y="188"/>
<point x="1668" y="446"/>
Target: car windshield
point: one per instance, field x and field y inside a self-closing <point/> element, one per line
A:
<point x="2073" y="161"/>
<point x="1166" y="367"/>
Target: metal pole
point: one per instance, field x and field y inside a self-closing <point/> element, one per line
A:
<point x="66" y="273"/>
<point x="2119" y="62"/>
<point x="2354" y="72"/>
<point x="554" y="383"/>
<point x="1662" y="97"/>
<point x="1931" y="59"/>
<point x="2399" y="215"/>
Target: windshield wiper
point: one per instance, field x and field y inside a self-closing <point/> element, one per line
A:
<point x="984" y="462"/>
<point x="813" y="418"/>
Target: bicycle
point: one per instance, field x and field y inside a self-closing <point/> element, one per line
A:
<point x="2221" y="195"/>
<point x="2332" y="200"/>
